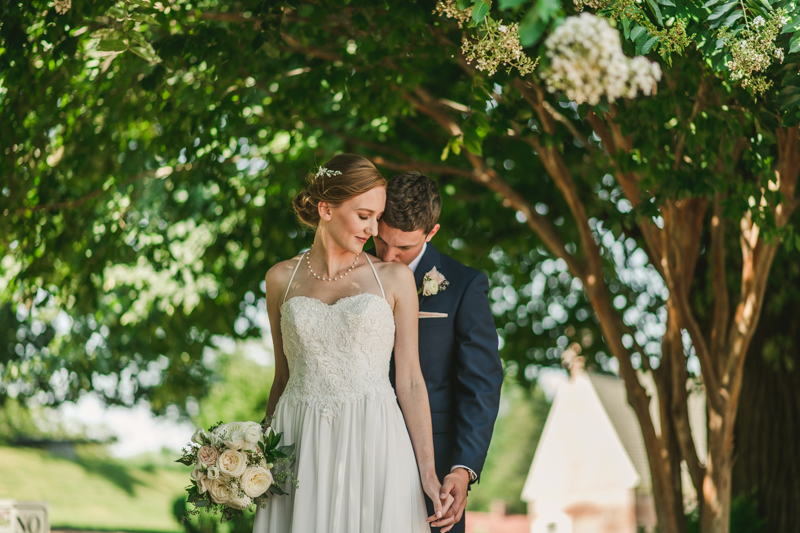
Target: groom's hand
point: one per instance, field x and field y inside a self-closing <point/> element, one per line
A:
<point x="455" y="485"/>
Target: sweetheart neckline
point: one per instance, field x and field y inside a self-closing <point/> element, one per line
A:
<point x="334" y="304"/>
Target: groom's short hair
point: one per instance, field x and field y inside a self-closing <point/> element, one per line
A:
<point x="412" y="203"/>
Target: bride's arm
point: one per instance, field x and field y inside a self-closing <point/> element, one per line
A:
<point x="276" y="287"/>
<point x="409" y="383"/>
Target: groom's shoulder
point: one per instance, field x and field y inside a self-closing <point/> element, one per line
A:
<point x="466" y="274"/>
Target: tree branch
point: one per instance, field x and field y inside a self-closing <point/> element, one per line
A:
<point x="678" y="295"/>
<point x="488" y="177"/>
<point x="719" y="281"/>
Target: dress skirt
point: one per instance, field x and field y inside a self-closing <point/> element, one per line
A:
<point x="356" y="470"/>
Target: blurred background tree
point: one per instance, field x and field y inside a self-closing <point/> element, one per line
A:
<point x="151" y="150"/>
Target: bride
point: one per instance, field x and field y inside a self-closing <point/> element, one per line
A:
<point x="336" y="316"/>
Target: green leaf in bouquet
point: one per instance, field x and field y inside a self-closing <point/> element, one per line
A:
<point x="276" y="490"/>
<point x="202" y="503"/>
<point x="288" y="450"/>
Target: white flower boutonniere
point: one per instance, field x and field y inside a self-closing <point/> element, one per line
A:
<point x="433" y="283"/>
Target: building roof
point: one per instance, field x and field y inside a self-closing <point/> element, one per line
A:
<point x="580" y="448"/>
<point x="611" y="392"/>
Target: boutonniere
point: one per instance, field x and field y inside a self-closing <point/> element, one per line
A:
<point x="432" y="283"/>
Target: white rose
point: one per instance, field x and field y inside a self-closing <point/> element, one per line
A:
<point x="430" y="288"/>
<point x="232" y="463"/>
<point x="198" y="474"/>
<point x="220" y="491"/>
<point x="236" y="440"/>
<point x="239" y="502"/>
<point x="212" y="472"/>
<point x="198" y="436"/>
<point x="253" y="434"/>
<point x="256" y="480"/>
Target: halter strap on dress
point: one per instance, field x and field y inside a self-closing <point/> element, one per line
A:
<point x="376" y="276"/>
<point x="292" y="278"/>
<point x="300" y="261"/>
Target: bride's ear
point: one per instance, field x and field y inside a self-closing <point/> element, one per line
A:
<point x="324" y="209"/>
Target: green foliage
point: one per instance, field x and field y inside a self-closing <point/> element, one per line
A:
<point x="744" y="516"/>
<point x="516" y="435"/>
<point x="144" y="201"/>
<point x="239" y="390"/>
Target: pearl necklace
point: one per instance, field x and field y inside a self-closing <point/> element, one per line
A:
<point x="311" y="270"/>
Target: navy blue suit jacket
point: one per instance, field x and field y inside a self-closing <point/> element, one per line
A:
<point x="460" y="362"/>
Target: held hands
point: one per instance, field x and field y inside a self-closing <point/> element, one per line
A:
<point x="434" y="491"/>
<point x="454" y="491"/>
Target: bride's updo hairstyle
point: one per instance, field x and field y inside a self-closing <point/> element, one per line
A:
<point x="344" y="177"/>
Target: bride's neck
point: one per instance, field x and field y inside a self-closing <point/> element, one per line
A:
<point x="330" y="256"/>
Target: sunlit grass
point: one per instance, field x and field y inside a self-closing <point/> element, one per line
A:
<point x="94" y="492"/>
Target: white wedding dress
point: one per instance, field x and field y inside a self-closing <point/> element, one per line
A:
<point x="355" y="464"/>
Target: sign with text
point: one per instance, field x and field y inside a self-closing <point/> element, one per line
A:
<point x="23" y="517"/>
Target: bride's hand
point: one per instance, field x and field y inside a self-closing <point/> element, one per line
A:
<point x="433" y="489"/>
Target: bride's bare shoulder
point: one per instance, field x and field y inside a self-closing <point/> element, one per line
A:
<point x="393" y="271"/>
<point x="280" y="273"/>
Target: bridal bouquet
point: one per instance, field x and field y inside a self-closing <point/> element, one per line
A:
<point x="234" y="467"/>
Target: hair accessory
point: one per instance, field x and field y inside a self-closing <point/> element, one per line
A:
<point x="328" y="173"/>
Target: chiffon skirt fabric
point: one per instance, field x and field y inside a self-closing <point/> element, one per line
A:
<point x="357" y="472"/>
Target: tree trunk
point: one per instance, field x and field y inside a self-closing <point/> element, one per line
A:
<point x="768" y="425"/>
<point x="716" y="514"/>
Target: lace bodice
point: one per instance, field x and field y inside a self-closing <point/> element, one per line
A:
<point x="337" y="353"/>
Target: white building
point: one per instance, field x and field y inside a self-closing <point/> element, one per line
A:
<point x="590" y="472"/>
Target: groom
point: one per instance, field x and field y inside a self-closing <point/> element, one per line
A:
<point x="457" y="339"/>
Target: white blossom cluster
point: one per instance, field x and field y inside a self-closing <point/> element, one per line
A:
<point x="753" y="50"/>
<point x="499" y="45"/>
<point x="496" y="44"/>
<point x="449" y="9"/>
<point x="587" y="63"/>
<point x="62" y="6"/>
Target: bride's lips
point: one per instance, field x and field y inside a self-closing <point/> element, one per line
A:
<point x="361" y="240"/>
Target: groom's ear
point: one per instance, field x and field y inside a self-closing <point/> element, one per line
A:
<point x="432" y="233"/>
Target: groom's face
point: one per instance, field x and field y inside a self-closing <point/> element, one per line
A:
<point x="392" y="244"/>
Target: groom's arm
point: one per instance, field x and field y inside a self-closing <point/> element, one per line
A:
<point x="479" y="374"/>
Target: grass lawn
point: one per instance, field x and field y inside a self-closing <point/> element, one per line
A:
<point x="94" y="493"/>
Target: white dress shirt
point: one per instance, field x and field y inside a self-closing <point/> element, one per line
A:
<point x="413" y="266"/>
<point x="415" y="263"/>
